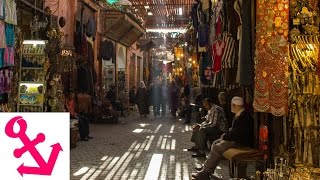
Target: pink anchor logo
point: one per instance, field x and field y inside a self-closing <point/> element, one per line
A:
<point x="45" y="168"/>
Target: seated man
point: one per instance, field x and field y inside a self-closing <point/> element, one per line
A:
<point x="83" y="121"/>
<point x="240" y="134"/>
<point x="213" y="126"/>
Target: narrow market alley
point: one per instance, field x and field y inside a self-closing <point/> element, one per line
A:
<point x="138" y="148"/>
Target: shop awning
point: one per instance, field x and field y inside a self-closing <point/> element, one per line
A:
<point x="121" y="27"/>
<point x="145" y="44"/>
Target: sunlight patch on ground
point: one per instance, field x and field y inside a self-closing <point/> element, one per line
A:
<point x="116" y="166"/>
<point x="81" y="171"/>
<point x="158" y="128"/>
<point x="101" y="168"/>
<point x="172" y="129"/>
<point x="137" y="131"/>
<point x="159" y="141"/>
<point x="149" y="143"/>
<point x="89" y="173"/>
<point x="104" y="158"/>
<point x="178" y="171"/>
<point x="154" y="167"/>
<point x="173" y="144"/>
<point x="144" y="125"/>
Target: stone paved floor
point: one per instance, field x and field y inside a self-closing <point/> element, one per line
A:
<point x="138" y="148"/>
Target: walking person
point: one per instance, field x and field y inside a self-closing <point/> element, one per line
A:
<point x="142" y="99"/>
<point x="164" y="97"/>
<point x="174" y="93"/>
<point x="132" y="98"/>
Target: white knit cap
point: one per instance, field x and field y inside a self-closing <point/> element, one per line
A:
<point x="237" y="101"/>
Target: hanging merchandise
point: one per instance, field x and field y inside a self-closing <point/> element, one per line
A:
<point x="11" y="12"/>
<point x="217" y="51"/>
<point x="266" y="31"/>
<point x="106" y="51"/>
<point x="2" y="9"/>
<point x="2" y="35"/>
<point x="304" y="101"/>
<point x="271" y="63"/>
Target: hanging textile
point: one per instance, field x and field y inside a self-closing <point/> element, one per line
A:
<point x="11" y="12"/>
<point x="245" y="59"/>
<point x="271" y="68"/>
<point x="2" y="9"/>
<point x="2" y="35"/>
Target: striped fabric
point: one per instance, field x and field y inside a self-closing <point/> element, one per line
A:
<point x="228" y="58"/>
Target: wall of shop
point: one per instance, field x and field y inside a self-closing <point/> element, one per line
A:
<point x="66" y="9"/>
<point x="135" y="59"/>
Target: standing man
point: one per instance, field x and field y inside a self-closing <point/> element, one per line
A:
<point x="214" y="125"/>
<point x="155" y="95"/>
<point x="240" y="134"/>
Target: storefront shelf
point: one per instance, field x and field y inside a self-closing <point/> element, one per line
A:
<point x="31" y="94"/>
<point x="30" y="105"/>
<point x="32" y="68"/>
<point x="30" y="82"/>
<point x="32" y="54"/>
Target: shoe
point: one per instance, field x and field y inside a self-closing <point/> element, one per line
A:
<point x="202" y="175"/>
<point x="198" y="154"/>
<point x="192" y="149"/>
<point x="199" y="168"/>
<point x="84" y="139"/>
<point x="89" y="137"/>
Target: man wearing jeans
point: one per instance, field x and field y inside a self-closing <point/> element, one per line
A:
<point x="240" y="134"/>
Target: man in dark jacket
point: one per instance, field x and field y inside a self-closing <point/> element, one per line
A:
<point x="240" y="134"/>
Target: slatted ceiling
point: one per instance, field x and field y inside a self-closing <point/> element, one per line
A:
<point x="165" y="12"/>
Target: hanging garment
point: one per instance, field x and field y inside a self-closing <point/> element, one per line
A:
<point x="1" y="81"/>
<point x="271" y="65"/>
<point x="212" y="32"/>
<point x="90" y="58"/>
<point x="91" y="28"/>
<point x="228" y="58"/>
<point x="106" y="50"/>
<point x="9" y="34"/>
<point x="219" y="26"/>
<point x="203" y="34"/>
<point x="2" y="34"/>
<point x="232" y="18"/>
<point x="237" y="7"/>
<point x="217" y="52"/>
<point x="11" y="12"/>
<point x="2" y="9"/>
<point x="1" y="57"/>
<point x="246" y="60"/>
<point x="8" y="56"/>
<point x="194" y="15"/>
<point x="82" y="76"/>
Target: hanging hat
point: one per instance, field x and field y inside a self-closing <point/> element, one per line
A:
<point x="237" y="101"/>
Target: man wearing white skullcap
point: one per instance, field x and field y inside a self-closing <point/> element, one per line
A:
<point x="240" y="134"/>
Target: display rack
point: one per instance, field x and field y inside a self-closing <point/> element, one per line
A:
<point x="32" y="76"/>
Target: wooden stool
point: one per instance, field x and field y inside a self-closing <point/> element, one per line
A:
<point x="73" y="137"/>
<point x="236" y="156"/>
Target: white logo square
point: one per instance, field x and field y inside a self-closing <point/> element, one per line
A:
<point x="35" y="146"/>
